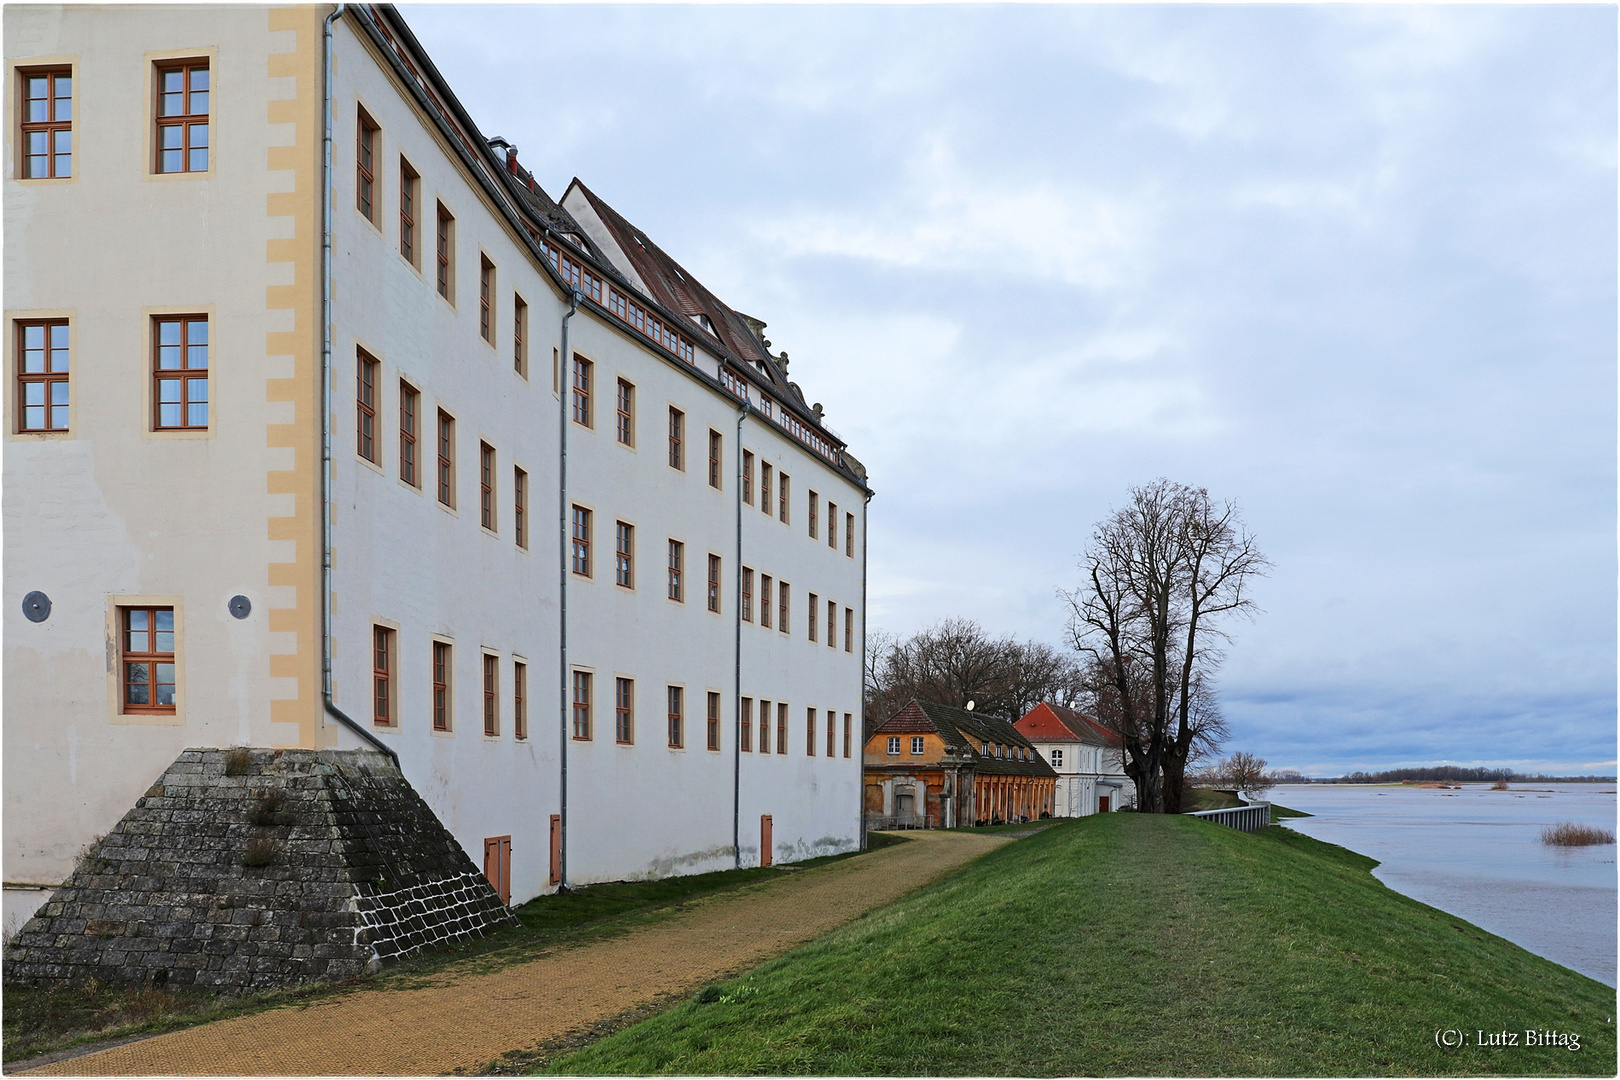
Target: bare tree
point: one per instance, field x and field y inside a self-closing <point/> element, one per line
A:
<point x="1247" y="773"/>
<point x="1161" y="574"/>
<point x="955" y="661"/>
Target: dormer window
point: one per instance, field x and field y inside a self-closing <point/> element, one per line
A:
<point x="984" y="748"/>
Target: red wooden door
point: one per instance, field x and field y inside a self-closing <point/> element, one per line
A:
<point x="556" y="849"/>
<point x="498" y="865"/>
<point x="1102" y="804"/>
<point x="765" y="840"/>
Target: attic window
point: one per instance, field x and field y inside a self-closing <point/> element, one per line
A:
<point x="984" y="748"/>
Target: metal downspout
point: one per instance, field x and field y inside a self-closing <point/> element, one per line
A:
<point x="736" y="688"/>
<point x="866" y="514"/>
<point x="562" y="592"/>
<point x="326" y="399"/>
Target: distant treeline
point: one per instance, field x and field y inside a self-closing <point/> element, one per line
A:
<point x="1454" y="774"/>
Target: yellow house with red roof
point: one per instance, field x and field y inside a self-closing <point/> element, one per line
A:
<point x="937" y="766"/>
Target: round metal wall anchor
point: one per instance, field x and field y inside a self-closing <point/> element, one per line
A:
<point x="240" y="606"/>
<point x="36" y="607"/>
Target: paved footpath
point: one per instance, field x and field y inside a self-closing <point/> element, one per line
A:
<point x="466" y="1020"/>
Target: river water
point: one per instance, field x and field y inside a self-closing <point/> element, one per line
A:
<point x="1478" y="854"/>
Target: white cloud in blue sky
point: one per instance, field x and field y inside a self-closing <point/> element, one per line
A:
<point x="1353" y="267"/>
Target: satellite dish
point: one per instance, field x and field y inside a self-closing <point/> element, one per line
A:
<point x="970" y="706"/>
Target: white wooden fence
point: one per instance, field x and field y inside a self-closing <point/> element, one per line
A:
<point x="1250" y="818"/>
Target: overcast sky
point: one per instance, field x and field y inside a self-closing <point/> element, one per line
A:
<point x="1354" y="268"/>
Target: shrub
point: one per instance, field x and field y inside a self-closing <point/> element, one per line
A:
<point x="1500" y="785"/>
<point x="269" y="812"/>
<point x="237" y="761"/>
<point x="261" y="853"/>
<point x="1569" y="834"/>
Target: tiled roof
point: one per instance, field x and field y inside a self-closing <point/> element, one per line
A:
<point x="1054" y="723"/>
<point x="964" y="732"/>
<point x="669" y="284"/>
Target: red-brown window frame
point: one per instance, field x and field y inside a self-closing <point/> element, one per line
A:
<point x="486" y="486"/>
<point x="677" y="439"/>
<point x="409" y="420"/>
<point x="745" y="725"/>
<point x="365" y="405"/>
<point x="447" y="459"/>
<point x="765" y="601"/>
<point x="624" y="710"/>
<point x="50" y="127"/>
<point x="625" y="407"/>
<point x="675" y="701"/>
<point x="444" y="251"/>
<point x="815" y="533"/>
<point x="832" y="524"/>
<point x="187" y="120"/>
<point x="581" y="705"/>
<point x="813" y="623"/>
<point x="677" y="571"/>
<point x="152" y="657"/>
<point x="520" y="341"/>
<point x="810" y="732"/>
<point x="781" y="727"/>
<point x="408" y="178"/>
<point x="442" y="672"/>
<point x="849" y="629"/>
<point x="382" y="676"/>
<point x="765" y="470"/>
<point x="832" y="624"/>
<point x="520" y="700"/>
<point x="849" y="535"/>
<point x="581" y="387"/>
<point x="47" y="377"/>
<point x="520" y="506"/>
<point x="365" y="164"/>
<point x="714" y="583"/>
<point x="783" y="498"/>
<point x="579" y="540"/>
<point x="624" y="554"/>
<point x="748" y="477"/>
<point x="783" y="608"/>
<point x="849" y="719"/>
<point x="486" y="298"/>
<point x="492" y="690"/>
<point x="764" y="726"/>
<point x="832" y="733"/>
<point x="747" y="594"/>
<point x="183" y="374"/>
<point x="712" y="721"/>
<point x="715" y="448"/>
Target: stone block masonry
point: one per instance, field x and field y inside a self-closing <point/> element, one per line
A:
<point x="247" y="869"/>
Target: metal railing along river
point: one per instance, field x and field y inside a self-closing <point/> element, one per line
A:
<point x="1250" y="818"/>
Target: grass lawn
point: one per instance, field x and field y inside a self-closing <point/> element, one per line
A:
<point x="41" y="1021"/>
<point x="1202" y="798"/>
<point x="1130" y="944"/>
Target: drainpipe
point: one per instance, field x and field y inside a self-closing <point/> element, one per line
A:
<point x="562" y="591"/>
<point x="326" y="401"/>
<point x="736" y="688"/>
<point x="860" y="787"/>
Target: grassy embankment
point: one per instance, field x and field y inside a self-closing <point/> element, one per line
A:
<point x="42" y="1021"/>
<point x="1136" y="945"/>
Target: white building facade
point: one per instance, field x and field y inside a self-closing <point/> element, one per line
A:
<point x="1086" y="757"/>
<point x="226" y="457"/>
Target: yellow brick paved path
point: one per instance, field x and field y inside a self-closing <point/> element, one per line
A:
<point x="466" y="1020"/>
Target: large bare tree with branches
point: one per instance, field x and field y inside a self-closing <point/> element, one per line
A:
<point x="1162" y="575"/>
